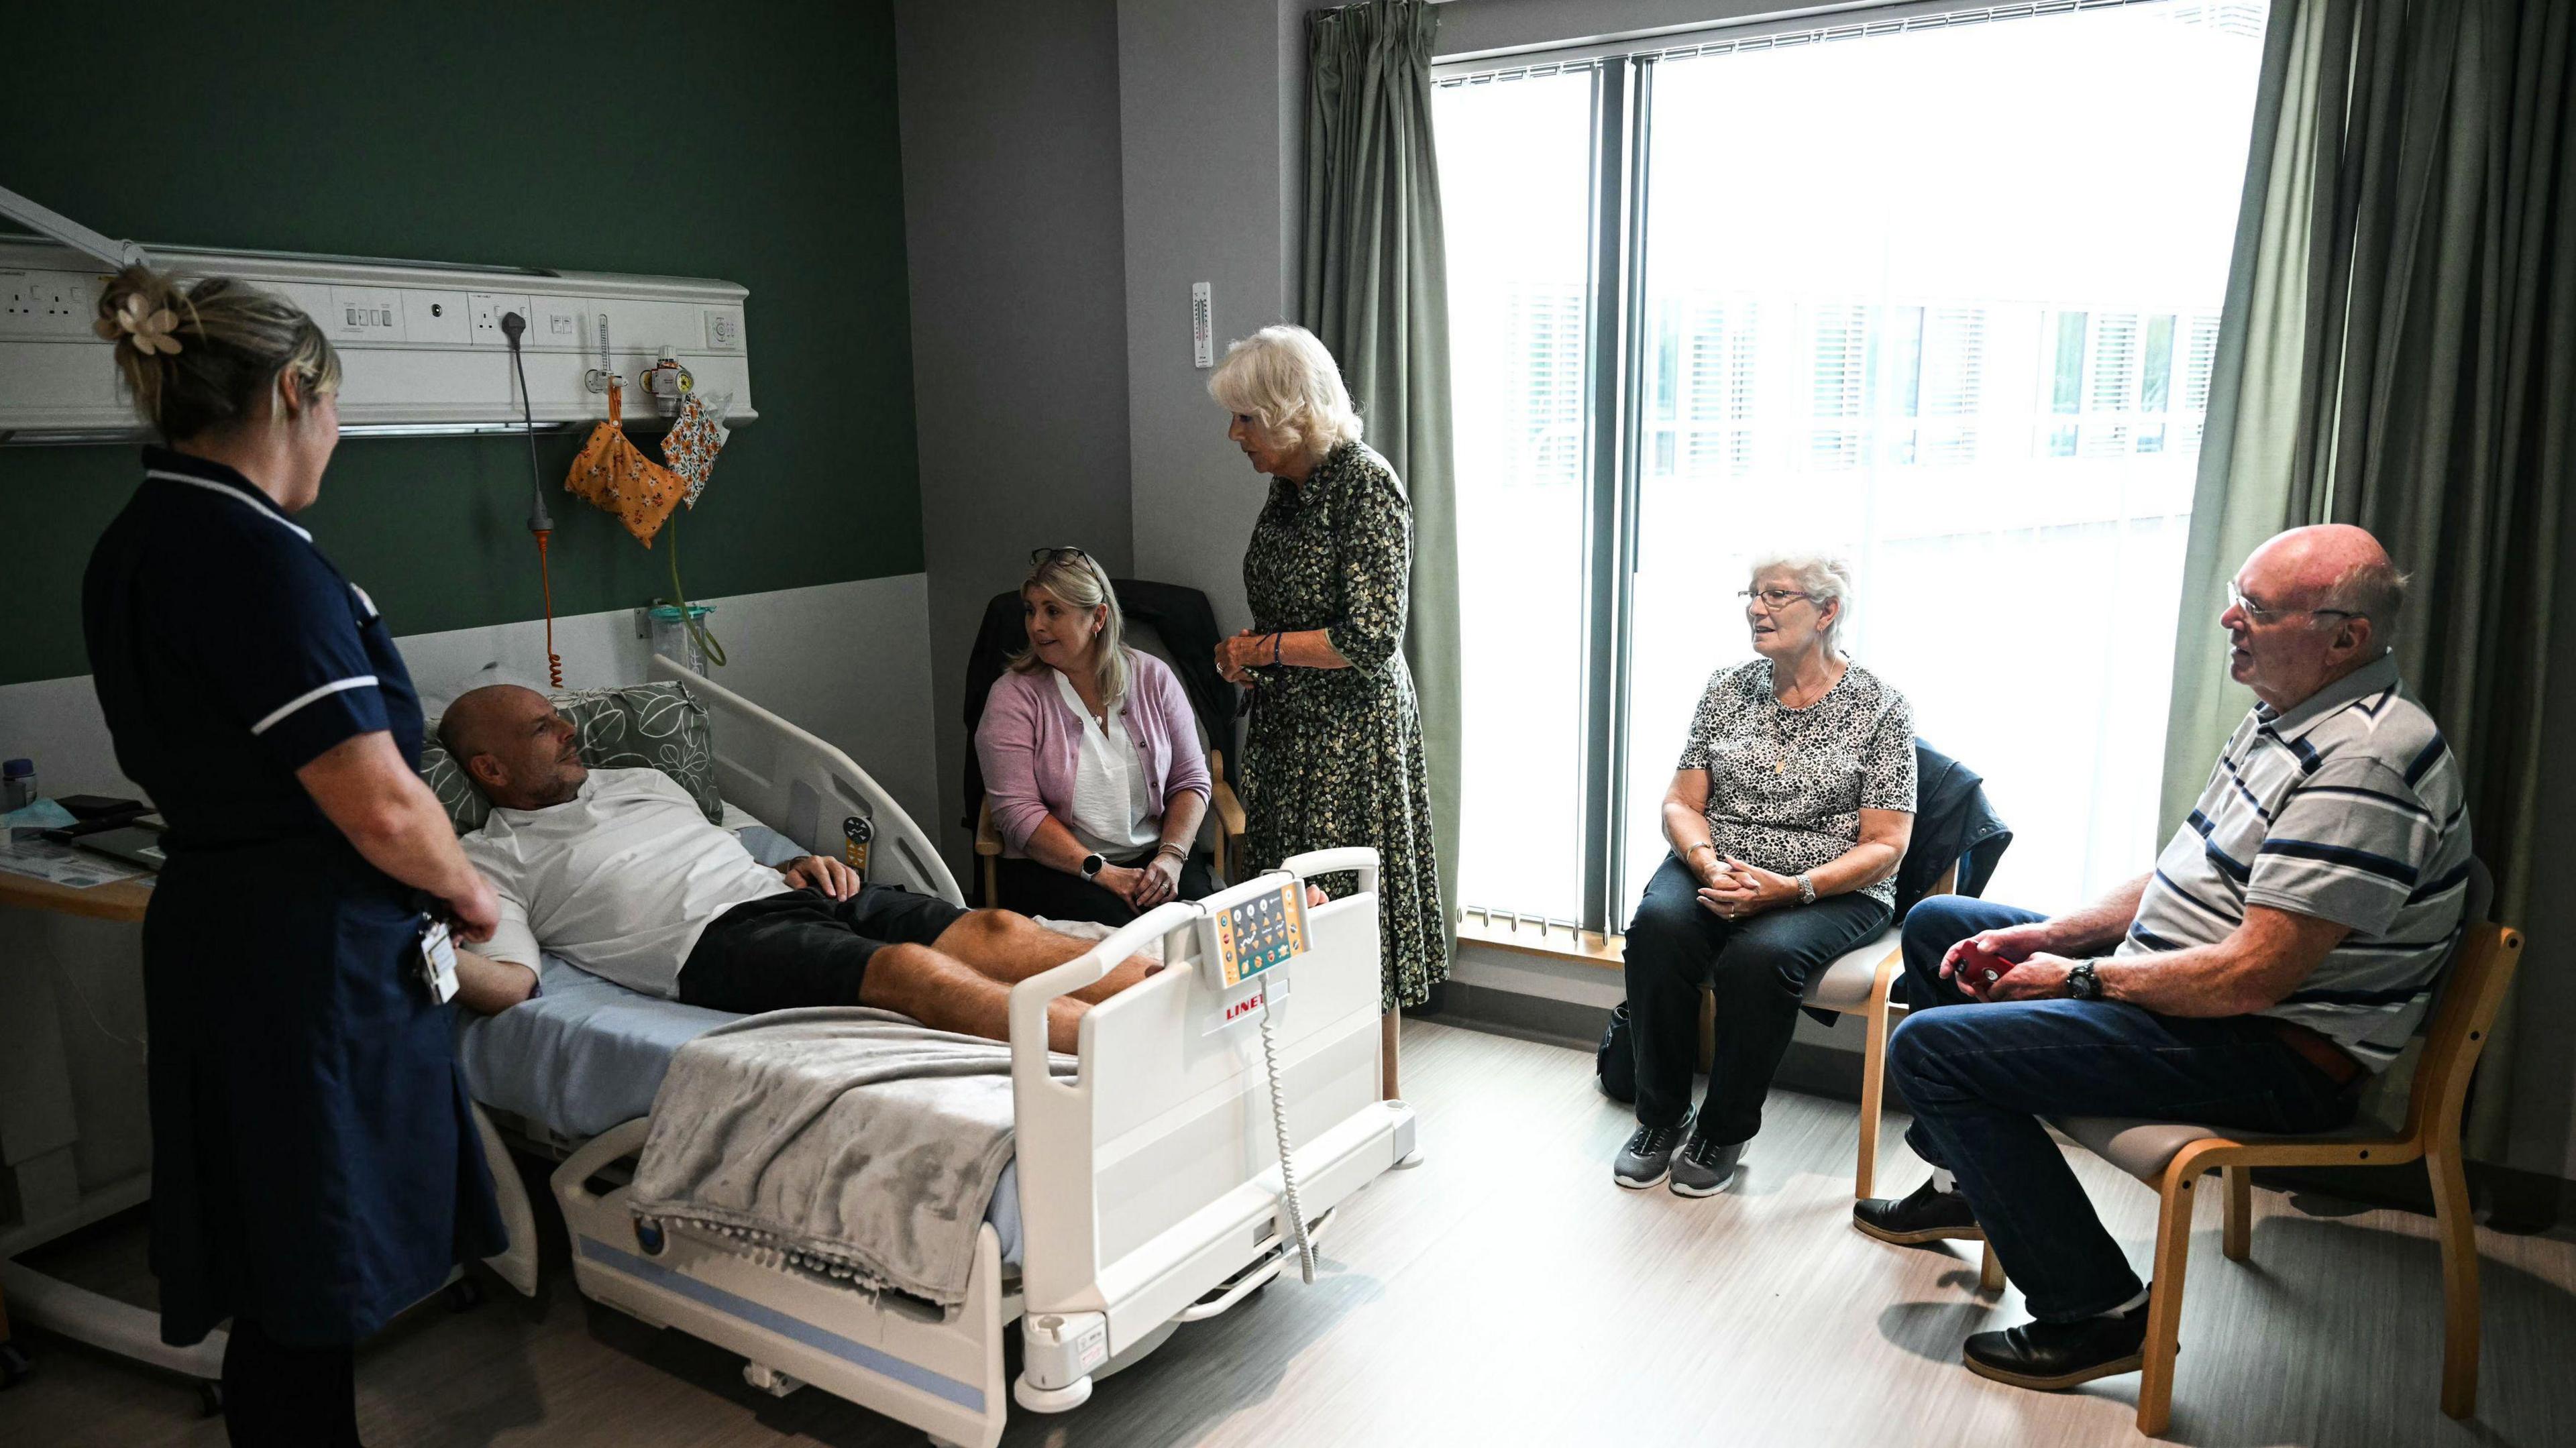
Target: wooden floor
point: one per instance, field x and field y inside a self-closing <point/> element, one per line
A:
<point x="1506" y="1293"/>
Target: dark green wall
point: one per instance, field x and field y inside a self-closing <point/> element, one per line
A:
<point x="509" y="135"/>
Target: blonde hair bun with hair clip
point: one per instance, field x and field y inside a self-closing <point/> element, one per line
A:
<point x="146" y="332"/>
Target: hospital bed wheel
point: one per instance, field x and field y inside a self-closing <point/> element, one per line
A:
<point x="464" y="1295"/>
<point x="13" y="1365"/>
<point x="210" y="1397"/>
<point x="1050" y="1400"/>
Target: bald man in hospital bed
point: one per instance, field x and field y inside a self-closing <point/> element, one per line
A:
<point x="618" y="872"/>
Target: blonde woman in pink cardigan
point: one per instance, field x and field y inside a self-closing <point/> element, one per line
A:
<point x="1091" y="759"/>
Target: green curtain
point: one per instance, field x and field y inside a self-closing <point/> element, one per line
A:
<point x="1375" y="289"/>
<point x="2398" y="350"/>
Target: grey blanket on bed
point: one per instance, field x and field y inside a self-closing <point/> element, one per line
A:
<point x="851" y="1142"/>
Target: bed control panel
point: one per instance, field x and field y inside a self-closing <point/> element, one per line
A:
<point x="1252" y="929"/>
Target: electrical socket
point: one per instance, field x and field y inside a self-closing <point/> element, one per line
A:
<point x="48" y="304"/>
<point x="35" y="296"/>
<point x="486" y="308"/>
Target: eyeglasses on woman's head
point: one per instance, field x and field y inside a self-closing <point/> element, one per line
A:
<point x="1774" y="599"/>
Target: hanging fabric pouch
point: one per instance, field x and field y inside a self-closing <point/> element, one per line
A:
<point x="696" y="436"/>
<point x="617" y="478"/>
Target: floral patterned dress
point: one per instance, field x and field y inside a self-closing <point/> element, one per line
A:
<point x="1333" y="757"/>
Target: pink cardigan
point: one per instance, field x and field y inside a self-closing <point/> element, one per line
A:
<point x="1029" y="740"/>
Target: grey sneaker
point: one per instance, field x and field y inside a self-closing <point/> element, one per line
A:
<point x="1648" y="1157"/>
<point x="1704" y="1168"/>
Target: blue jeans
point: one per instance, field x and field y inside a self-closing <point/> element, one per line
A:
<point x="1979" y="1079"/>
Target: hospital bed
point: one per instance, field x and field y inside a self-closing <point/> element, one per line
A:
<point x="1146" y="1191"/>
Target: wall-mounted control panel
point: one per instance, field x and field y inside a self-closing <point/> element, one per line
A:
<point x="422" y="346"/>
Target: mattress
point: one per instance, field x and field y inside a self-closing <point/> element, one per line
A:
<point x="587" y="1054"/>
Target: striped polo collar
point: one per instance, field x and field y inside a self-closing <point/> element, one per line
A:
<point x="163" y="465"/>
<point x="2376" y="677"/>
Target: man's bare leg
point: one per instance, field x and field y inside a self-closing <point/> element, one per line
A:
<point x="1009" y="947"/>
<point x="946" y="994"/>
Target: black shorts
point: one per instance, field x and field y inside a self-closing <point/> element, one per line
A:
<point x="804" y="948"/>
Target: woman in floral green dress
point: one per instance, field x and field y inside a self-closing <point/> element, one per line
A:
<point x="1333" y="753"/>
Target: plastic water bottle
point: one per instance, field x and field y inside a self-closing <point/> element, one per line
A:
<point x="17" y="784"/>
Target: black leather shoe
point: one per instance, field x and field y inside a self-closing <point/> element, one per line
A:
<point x="1926" y="1216"/>
<point x="2049" y="1356"/>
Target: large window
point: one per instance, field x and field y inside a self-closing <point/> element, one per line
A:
<point x="1943" y="299"/>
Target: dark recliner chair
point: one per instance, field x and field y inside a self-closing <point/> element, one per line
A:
<point x="1168" y="620"/>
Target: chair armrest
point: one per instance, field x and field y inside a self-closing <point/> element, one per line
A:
<point x="988" y="840"/>
<point x="1228" y="809"/>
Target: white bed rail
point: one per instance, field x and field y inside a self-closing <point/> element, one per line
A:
<point x="1153" y="1173"/>
<point x="1328" y="862"/>
<point x="803" y="787"/>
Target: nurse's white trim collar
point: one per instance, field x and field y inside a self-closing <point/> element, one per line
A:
<point x="229" y="491"/>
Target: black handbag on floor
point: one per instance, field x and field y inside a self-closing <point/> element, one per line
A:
<point x="1616" y="1061"/>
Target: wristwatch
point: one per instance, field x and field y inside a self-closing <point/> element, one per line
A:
<point x="2081" y="983"/>
<point x="1093" y="865"/>
<point x="1806" y="890"/>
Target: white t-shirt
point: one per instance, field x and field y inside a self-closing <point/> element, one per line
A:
<point x="1112" y="812"/>
<point x="621" y="879"/>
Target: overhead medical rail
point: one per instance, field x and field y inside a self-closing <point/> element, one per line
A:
<point x="422" y="347"/>
<point x="45" y="221"/>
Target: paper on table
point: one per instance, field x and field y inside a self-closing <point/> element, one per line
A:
<point x="44" y="814"/>
<point x="63" y="865"/>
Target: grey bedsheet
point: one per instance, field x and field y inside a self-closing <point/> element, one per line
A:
<point x="851" y="1142"/>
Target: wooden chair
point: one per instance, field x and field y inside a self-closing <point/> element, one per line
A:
<point x="1224" y="823"/>
<point x="2172" y="1156"/>
<point x="1858" y="983"/>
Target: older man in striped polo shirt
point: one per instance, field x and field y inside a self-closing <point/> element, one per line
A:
<point x="2280" y="953"/>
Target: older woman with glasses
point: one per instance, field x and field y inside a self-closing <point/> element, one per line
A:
<point x="1333" y="753"/>
<point x="1790" y="809"/>
<point x="1091" y="759"/>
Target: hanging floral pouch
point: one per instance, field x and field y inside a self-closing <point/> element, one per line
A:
<point x="618" y="478"/>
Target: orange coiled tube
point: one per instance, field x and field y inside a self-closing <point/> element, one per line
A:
<point x="554" y="661"/>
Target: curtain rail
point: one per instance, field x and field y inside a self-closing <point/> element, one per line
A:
<point x="1791" y="35"/>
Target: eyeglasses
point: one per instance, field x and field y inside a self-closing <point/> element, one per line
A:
<point x="1061" y="554"/>
<point x="2258" y="614"/>
<point x="1774" y="599"/>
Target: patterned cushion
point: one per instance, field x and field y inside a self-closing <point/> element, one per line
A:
<point x="649" y="726"/>
<point x="457" y="793"/>
<point x="637" y="726"/>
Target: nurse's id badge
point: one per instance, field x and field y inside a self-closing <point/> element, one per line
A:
<point x="437" y="962"/>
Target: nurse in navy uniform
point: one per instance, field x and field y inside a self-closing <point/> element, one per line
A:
<point x="315" y="1168"/>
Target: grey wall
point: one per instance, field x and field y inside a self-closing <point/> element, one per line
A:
<point x="1010" y="126"/>
<point x="1210" y="101"/>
